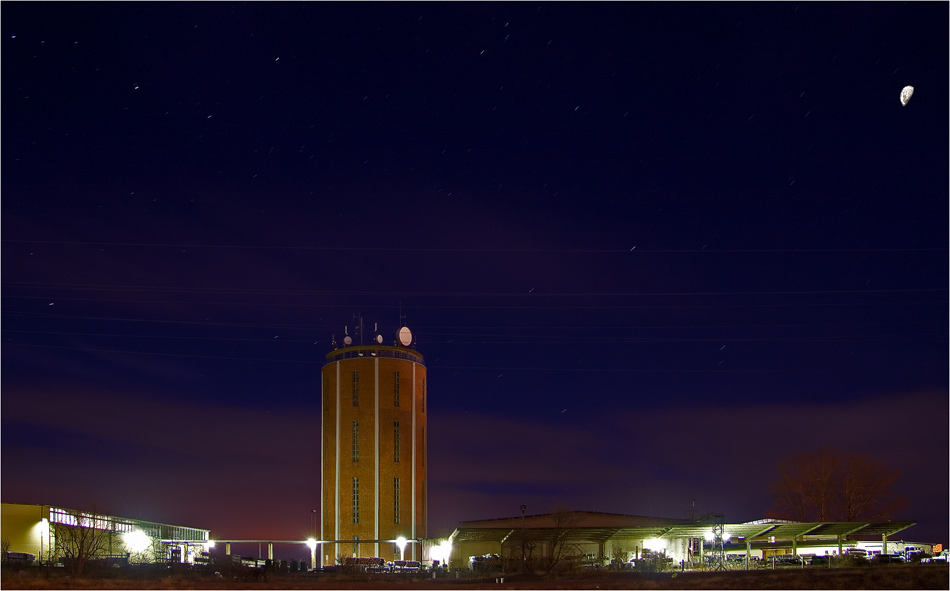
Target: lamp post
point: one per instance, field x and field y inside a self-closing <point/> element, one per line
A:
<point x="524" y="557"/>
<point x="401" y="542"/>
<point x="312" y="543"/>
<point x="42" y="523"/>
<point x="446" y="552"/>
<point x="312" y="540"/>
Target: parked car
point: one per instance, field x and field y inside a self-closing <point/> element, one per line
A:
<point x="407" y="566"/>
<point x="784" y="560"/>
<point x="23" y="558"/>
<point x="887" y="558"/>
<point x="938" y="557"/>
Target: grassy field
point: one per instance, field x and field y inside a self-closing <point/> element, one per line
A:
<point x="918" y="576"/>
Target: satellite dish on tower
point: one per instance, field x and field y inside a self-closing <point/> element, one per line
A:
<point x="379" y="339"/>
<point x="347" y="340"/>
<point x="405" y="336"/>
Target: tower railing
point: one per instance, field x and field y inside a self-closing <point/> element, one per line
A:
<point x="371" y="351"/>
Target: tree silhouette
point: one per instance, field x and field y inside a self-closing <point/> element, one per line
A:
<point x="832" y="484"/>
<point x="865" y="489"/>
<point x="563" y="520"/>
<point x="81" y="537"/>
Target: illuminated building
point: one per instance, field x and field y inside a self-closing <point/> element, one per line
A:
<point x="373" y="433"/>
<point x="573" y="539"/>
<point x="33" y="530"/>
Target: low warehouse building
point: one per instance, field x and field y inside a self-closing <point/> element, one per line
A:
<point x="582" y="538"/>
<point x="54" y="534"/>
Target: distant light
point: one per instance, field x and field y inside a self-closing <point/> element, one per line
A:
<point x="137" y="541"/>
<point x="709" y="536"/>
<point x="655" y="544"/>
<point x="312" y="543"/>
<point x="401" y="543"/>
<point x="446" y="547"/>
<point x="210" y="544"/>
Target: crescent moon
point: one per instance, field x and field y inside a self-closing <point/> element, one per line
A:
<point x="906" y="93"/>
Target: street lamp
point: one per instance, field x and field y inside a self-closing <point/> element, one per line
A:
<point x="524" y="558"/>
<point x="401" y="542"/>
<point x="44" y="524"/>
<point x="446" y="552"/>
<point x="312" y="543"/>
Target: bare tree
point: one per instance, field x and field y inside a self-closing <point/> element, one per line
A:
<point x="820" y="471"/>
<point x="619" y="552"/>
<point x="832" y="484"/>
<point x="81" y="538"/>
<point x="804" y="489"/>
<point x="788" y="492"/>
<point x="563" y="520"/>
<point x="865" y="487"/>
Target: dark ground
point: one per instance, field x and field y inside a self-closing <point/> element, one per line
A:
<point x="877" y="577"/>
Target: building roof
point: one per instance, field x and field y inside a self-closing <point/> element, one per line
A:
<point x="163" y="531"/>
<point x="592" y="527"/>
<point x="374" y="351"/>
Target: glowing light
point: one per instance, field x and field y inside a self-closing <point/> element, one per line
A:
<point x="446" y="547"/>
<point x="312" y="543"/>
<point x="655" y="544"/>
<point x="137" y="541"/>
<point x="710" y="536"/>
<point x="442" y="552"/>
<point x="41" y="531"/>
<point x="210" y="544"/>
<point x="401" y="544"/>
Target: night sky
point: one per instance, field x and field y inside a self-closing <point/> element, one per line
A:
<point x="647" y="250"/>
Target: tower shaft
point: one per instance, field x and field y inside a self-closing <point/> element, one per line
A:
<point x="373" y="435"/>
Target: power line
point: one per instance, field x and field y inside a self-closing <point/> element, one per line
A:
<point x="633" y="250"/>
<point x="465" y="307"/>
<point x="182" y="355"/>
<point x="433" y="365"/>
<point x="458" y="294"/>
<point x="518" y="339"/>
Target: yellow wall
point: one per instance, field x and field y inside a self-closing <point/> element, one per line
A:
<point x="21" y="526"/>
<point x="377" y="401"/>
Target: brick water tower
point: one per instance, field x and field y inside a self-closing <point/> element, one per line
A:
<point x="373" y="433"/>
